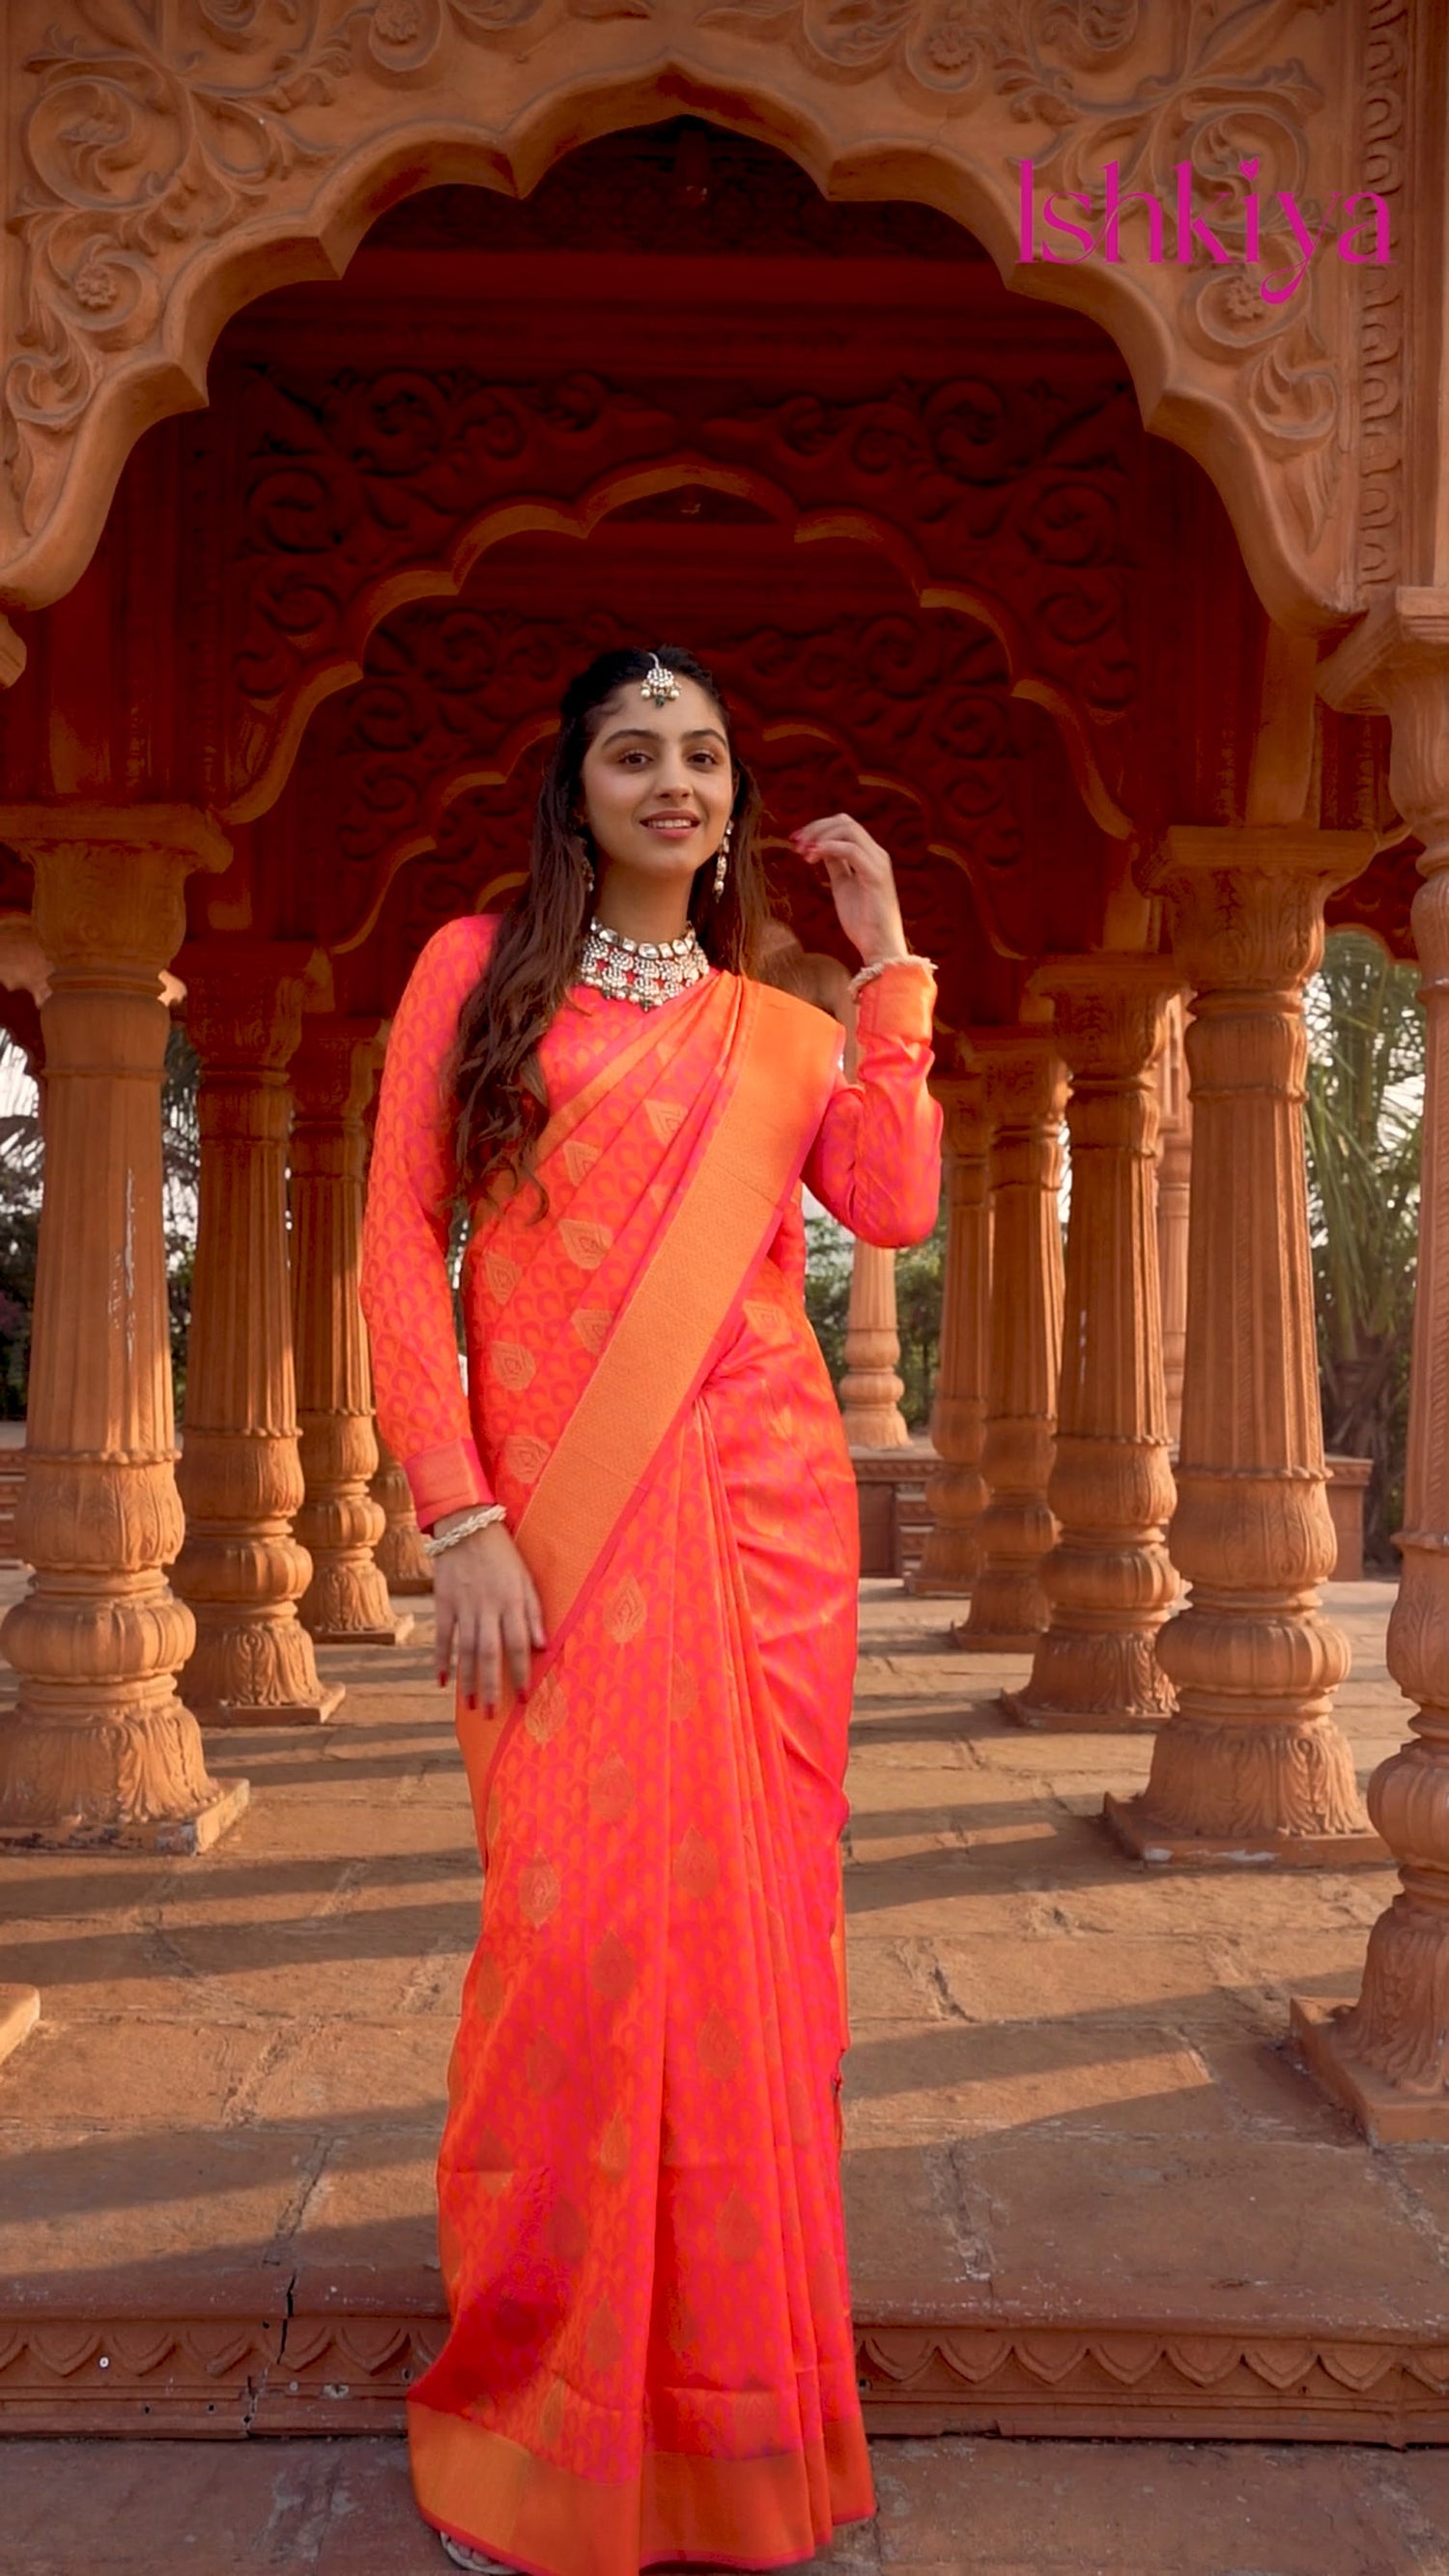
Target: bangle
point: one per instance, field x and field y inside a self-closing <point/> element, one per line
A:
<point x="869" y="973"/>
<point x="479" y="1520"/>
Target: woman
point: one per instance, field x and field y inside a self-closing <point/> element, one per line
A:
<point x="651" y="2358"/>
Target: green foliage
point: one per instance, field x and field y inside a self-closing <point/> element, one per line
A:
<point x="20" y="1178"/>
<point x="1364" y="1114"/>
<point x="919" y="1276"/>
<point x="828" y="1251"/>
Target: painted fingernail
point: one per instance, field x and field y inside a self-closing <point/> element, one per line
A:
<point x="472" y="1703"/>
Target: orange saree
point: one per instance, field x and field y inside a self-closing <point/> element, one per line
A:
<point x="651" y="2358"/>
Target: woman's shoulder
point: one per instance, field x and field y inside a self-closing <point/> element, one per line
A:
<point x="455" y="956"/>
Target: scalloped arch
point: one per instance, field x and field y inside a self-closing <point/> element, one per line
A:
<point x="578" y="77"/>
<point x="577" y="521"/>
<point x="452" y="785"/>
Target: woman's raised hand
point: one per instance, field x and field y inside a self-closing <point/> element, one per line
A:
<point x="862" y="884"/>
<point x="488" y="1611"/>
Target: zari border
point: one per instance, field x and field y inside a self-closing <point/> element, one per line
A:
<point x="762" y="2513"/>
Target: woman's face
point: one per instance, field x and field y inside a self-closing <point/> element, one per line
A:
<point x="657" y="786"/>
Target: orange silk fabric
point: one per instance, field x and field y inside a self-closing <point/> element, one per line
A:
<point x="651" y="2357"/>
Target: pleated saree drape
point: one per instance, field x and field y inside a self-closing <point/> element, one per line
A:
<point x="651" y="2357"/>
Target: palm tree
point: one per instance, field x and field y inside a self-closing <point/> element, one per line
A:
<point x="1364" y="1114"/>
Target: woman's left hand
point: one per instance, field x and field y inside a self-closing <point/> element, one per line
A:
<point x="861" y="882"/>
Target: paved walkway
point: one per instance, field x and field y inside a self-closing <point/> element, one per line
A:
<point x="1069" y="2082"/>
<point x="1067" y="2070"/>
<point x="990" y="2508"/>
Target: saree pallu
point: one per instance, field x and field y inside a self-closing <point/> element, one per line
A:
<point x="651" y="2358"/>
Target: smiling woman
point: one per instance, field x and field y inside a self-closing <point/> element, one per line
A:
<point x="644" y="1522"/>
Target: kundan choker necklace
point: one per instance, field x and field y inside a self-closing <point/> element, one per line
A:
<point x="639" y="970"/>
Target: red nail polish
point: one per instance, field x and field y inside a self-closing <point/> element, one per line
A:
<point x="472" y="1703"/>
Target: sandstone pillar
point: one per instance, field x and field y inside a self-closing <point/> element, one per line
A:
<point x="1108" y="1578"/>
<point x="399" y="1551"/>
<point x="956" y="1488"/>
<point x="240" y="1476"/>
<point x="871" y="1390"/>
<point x="1387" y="2056"/>
<point x="1174" y="1177"/>
<point x="1252" y="1767"/>
<point x="1025" y="1090"/>
<point x="339" y="1524"/>
<point x="99" y="1749"/>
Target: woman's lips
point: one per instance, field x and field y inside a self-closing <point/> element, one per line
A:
<point x="672" y="827"/>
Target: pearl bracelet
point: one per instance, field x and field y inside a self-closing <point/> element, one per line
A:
<point x="479" y="1520"/>
<point x="868" y="974"/>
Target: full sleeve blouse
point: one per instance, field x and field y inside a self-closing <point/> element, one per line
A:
<point x="876" y="1160"/>
<point x="874" y="1163"/>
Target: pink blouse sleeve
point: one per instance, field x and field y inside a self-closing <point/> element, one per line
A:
<point x="407" y="1294"/>
<point x="876" y="1160"/>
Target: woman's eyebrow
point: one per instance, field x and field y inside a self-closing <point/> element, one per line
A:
<point x="650" y="733"/>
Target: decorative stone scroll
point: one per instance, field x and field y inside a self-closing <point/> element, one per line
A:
<point x="168" y="163"/>
<point x="99" y="1750"/>
<point x="1252" y="1768"/>
<point x="1108" y="1578"/>
<point x="1025" y="1091"/>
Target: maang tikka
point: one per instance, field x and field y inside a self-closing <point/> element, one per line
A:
<point x="658" y="684"/>
<point x="722" y="858"/>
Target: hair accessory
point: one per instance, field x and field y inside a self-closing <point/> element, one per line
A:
<point x="479" y="1520"/>
<point x="658" y="685"/>
<point x="722" y="858"/>
<point x="869" y="973"/>
<point x="641" y="970"/>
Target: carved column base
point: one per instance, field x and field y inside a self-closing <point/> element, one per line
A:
<point x="58" y="1787"/>
<point x="1083" y="1685"/>
<point x="951" y="1559"/>
<point x="19" y="2013"/>
<point x="1009" y="1609"/>
<point x="399" y="1552"/>
<point x="1248" y="1791"/>
<point x="1389" y="2114"/>
<point x="257" y="1671"/>
<point x="346" y="1603"/>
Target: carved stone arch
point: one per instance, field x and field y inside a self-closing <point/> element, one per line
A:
<point x="279" y="729"/>
<point x="124" y="267"/>
<point x="908" y="719"/>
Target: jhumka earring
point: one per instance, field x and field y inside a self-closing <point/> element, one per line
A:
<point x="722" y="858"/>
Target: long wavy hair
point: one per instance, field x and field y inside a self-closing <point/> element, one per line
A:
<point x="501" y="1106"/>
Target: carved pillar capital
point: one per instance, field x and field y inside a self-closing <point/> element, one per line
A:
<point x="1108" y="1578"/>
<point x="241" y="1569"/>
<point x="110" y="881"/>
<point x="244" y="1002"/>
<point x="1252" y="1766"/>
<point x="1246" y="902"/>
<point x="1108" y="1013"/>
<point x="1025" y="1085"/>
<point x="100" y="1749"/>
